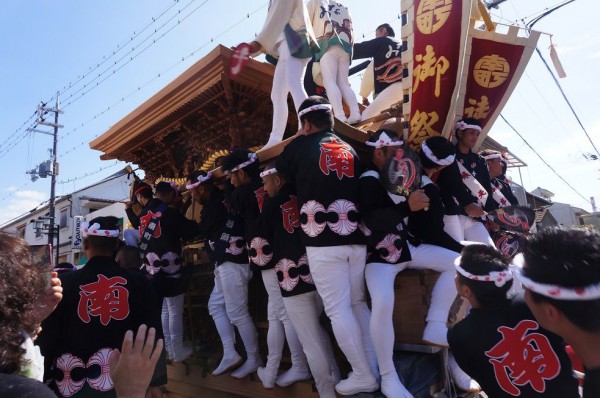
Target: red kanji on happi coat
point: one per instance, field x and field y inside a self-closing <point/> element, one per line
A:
<point x="107" y="298"/>
<point x="260" y="194"/>
<point x="290" y="215"/>
<point x="336" y="156"/>
<point x="145" y="220"/>
<point x="522" y="358"/>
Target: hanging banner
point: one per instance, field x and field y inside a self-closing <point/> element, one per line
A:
<point x="435" y="32"/>
<point x="496" y="62"/>
<point x="76" y="238"/>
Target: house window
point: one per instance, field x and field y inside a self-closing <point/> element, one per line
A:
<point x="21" y="232"/>
<point x="63" y="217"/>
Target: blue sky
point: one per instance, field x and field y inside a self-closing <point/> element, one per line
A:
<point x="48" y="45"/>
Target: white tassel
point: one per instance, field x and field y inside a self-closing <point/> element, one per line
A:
<point x="557" y="65"/>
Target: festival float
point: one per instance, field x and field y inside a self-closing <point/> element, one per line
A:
<point x="455" y="61"/>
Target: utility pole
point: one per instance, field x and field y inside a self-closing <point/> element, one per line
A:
<point x="43" y="170"/>
<point x="53" y="178"/>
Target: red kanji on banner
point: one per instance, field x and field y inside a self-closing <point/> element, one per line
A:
<point x="106" y="298"/>
<point x="521" y="358"/>
<point x="336" y="156"/>
<point x="289" y="212"/>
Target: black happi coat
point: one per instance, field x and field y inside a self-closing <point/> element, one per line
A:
<point x="325" y="171"/>
<point x="387" y="62"/>
<point x="280" y="224"/>
<point x="384" y="221"/>
<point x="162" y="260"/>
<point x="591" y="384"/>
<point x="100" y="303"/>
<point x="455" y="194"/>
<point x="428" y="225"/>
<point x="212" y="219"/>
<point x="230" y="245"/>
<point x="248" y="201"/>
<point x="477" y="166"/>
<point x="492" y="345"/>
<point x="504" y="187"/>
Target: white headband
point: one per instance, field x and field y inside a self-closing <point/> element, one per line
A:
<point x="251" y="159"/>
<point x="461" y="125"/>
<point x="429" y="153"/>
<point x="589" y="292"/>
<point x="94" y="229"/>
<point x="383" y="141"/>
<point x="318" y="107"/>
<point x="498" y="277"/>
<point x="493" y="156"/>
<point x="268" y="172"/>
<point x="200" y="179"/>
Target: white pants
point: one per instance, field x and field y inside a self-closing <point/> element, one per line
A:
<point x="228" y="304"/>
<point x="339" y="275"/>
<point x="380" y="281"/>
<point x="304" y="311"/>
<point x="461" y="228"/>
<point x="280" y="326"/>
<point x="288" y="78"/>
<point x="334" y="69"/>
<point x="172" y="323"/>
<point x="131" y="236"/>
<point x="388" y="97"/>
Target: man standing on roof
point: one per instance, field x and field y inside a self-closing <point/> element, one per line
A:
<point x="333" y="27"/>
<point x="325" y="171"/>
<point x="287" y="35"/>
<point x="385" y="50"/>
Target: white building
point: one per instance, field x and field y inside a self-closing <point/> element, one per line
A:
<point x="564" y="213"/>
<point x="100" y="199"/>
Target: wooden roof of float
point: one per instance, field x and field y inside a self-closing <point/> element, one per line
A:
<point x="198" y="113"/>
<point x="202" y="111"/>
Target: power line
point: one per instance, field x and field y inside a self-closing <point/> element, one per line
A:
<point x="529" y="26"/>
<point x="159" y="75"/>
<point x="90" y="173"/>
<point x="542" y="159"/>
<point x="18" y="129"/>
<point x="120" y="47"/>
<point x="114" y="71"/>
<point x="567" y="100"/>
<point x="19" y="139"/>
<point x="183" y="59"/>
<point x="248" y="15"/>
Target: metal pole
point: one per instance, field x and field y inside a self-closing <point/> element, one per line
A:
<point x="53" y="180"/>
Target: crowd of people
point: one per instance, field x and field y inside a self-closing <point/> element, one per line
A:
<point x="324" y="231"/>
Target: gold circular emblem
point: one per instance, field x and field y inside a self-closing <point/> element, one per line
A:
<point x="432" y="14"/>
<point x="491" y="71"/>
